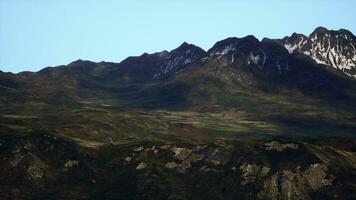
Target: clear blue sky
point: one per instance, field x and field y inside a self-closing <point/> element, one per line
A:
<point x="39" y="33"/>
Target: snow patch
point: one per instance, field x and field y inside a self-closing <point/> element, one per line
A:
<point x="254" y="58"/>
<point x="291" y="47"/>
<point x="323" y="51"/>
<point x="187" y="61"/>
<point x="279" y="67"/>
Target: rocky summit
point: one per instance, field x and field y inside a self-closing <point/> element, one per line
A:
<point x="246" y="119"/>
<point x="333" y="48"/>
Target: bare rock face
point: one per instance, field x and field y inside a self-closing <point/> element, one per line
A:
<point x="138" y="149"/>
<point x="287" y="171"/>
<point x="274" y="145"/>
<point x="181" y="153"/>
<point x="33" y="166"/>
<point x="194" y="157"/>
<point x="185" y="157"/>
<point x="171" y="165"/>
<point x="16" y="160"/>
<point x="215" y="156"/>
<point x="70" y="164"/>
<point x="183" y="167"/>
<point x="206" y="169"/>
<point x="295" y="185"/>
<point x="178" y="167"/>
<point x="36" y="169"/>
<point x="165" y="146"/>
<point x="270" y="188"/>
<point x="141" y="166"/>
<point x="128" y="159"/>
<point x="316" y="176"/>
<point x="251" y="172"/>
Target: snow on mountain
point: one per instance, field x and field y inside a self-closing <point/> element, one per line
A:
<point x="333" y="48"/>
<point x="178" y="59"/>
<point x="233" y="49"/>
<point x="249" y="52"/>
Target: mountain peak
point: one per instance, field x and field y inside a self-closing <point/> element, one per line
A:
<point x="178" y="59"/>
<point x="76" y="61"/>
<point x="320" y="30"/>
<point x="223" y="44"/>
<point x="188" y="51"/>
<point x="297" y="35"/>
<point x="81" y="62"/>
<point x="251" y="38"/>
<point x="346" y="32"/>
<point x="327" y="47"/>
<point x="186" y="46"/>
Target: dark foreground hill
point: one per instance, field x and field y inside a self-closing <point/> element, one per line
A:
<point x="248" y="119"/>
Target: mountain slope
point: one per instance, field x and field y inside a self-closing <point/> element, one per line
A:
<point x="149" y="67"/>
<point x="242" y="75"/>
<point x="247" y="119"/>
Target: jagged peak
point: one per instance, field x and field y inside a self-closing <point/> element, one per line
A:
<point x="186" y="46"/>
<point x="346" y="32"/>
<point x="266" y="40"/>
<point x="229" y="40"/>
<point x="270" y="40"/>
<point x="188" y="50"/>
<point x="223" y="43"/>
<point x="320" y="30"/>
<point x="234" y="40"/>
<point x="250" y="38"/>
<point x="295" y="37"/>
<point x="231" y="44"/>
<point x="76" y="61"/>
<point x="298" y="35"/>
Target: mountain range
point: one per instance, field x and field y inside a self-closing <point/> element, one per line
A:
<point x="247" y="119"/>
